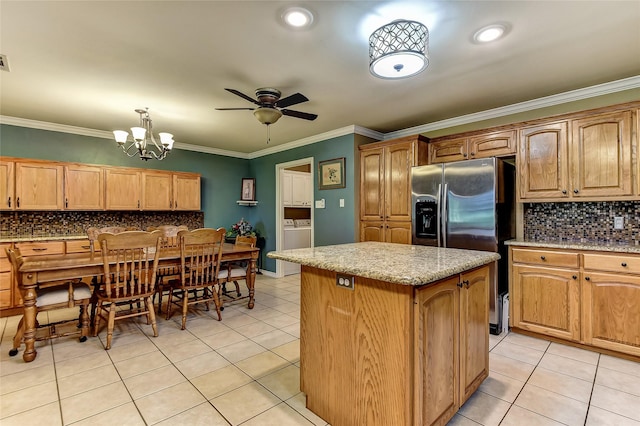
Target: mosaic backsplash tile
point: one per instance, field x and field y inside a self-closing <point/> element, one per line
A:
<point x="61" y="223"/>
<point x="583" y="222"/>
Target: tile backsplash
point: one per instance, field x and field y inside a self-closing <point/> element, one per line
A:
<point x="583" y="222"/>
<point x="60" y="223"/>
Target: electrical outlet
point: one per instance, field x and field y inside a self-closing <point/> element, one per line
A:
<point x="618" y="222"/>
<point x="345" y="281"/>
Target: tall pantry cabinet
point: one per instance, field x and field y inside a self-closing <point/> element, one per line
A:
<point x="385" y="187"/>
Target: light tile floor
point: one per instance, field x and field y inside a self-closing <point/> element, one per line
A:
<point x="245" y="371"/>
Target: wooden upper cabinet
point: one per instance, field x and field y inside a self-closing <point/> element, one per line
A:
<point x="372" y="184"/>
<point x="123" y="189"/>
<point x="186" y="192"/>
<point x="385" y="187"/>
<point x="39" y="186"/>
<point x="399" y="158"/>
<point x="466" y="147"/>
<point x="7" y="185"/>
<point x="601" y="154"/>
<point x="157" y="191"/>
<point x="543" y="162"/>
<point x="83" y="187"/>
<point x="582" y="159"/>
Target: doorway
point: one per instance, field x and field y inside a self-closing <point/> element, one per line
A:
<point x="294" y="209"/>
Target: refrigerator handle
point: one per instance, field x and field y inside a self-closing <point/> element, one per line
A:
<point x="439" y="216"/>
<point x="443" y="215"/>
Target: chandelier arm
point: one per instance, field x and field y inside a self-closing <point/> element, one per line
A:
<point x="127" y="149"/>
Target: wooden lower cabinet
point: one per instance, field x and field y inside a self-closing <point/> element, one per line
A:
<point x="451" y="344"/>
<point x="390" y="232"/>
<point x="547" y="301"/>
<point x="6" y="283"/>
<point x="389" y="354"/>
<point x="611" y="312"/>
<point x="594" y="301"/>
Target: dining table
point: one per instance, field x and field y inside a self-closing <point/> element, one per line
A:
<point x="37" y="270"/>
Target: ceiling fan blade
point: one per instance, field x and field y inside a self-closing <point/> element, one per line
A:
<point x="242" y="95"/>
<point x="296" y="98"/>
<point x="299" y="114"/>
<point x="235" y="109"/>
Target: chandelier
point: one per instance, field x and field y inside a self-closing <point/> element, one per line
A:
<point x="399" y="49"/>
<point x="144" y="144"/>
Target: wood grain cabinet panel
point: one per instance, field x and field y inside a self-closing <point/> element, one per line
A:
<point x="385" y="187"/>
<point x="601" y="155"/>
<point x="157" y="191"/>
<point x="83" y="187"/>
<point x="490" y="144"/>
<point x="39" y="186"/>
<point x="186" y="192"/>
<point x="543" y="162"/>
<point x="611" y="311"/>
<point x="6" y="279"/>
<point x="7" y="185"/>
<point x="123" y="189"/>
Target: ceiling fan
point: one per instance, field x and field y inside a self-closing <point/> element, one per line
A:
<point x="270" y="107"/>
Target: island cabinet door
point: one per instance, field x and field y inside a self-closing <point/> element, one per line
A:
<point x="474" y="330"/>
<point x="437" y="370"/>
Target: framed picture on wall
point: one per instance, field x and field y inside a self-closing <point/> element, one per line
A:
<point x="248" y="189"/>
<point x="331" y="174"/>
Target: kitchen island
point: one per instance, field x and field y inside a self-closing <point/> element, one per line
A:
<point x="392" y="334"/>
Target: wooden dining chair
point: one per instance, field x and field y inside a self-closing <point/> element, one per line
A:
<point x="169" y="236"/>
<point x="50" y="296"/>
<point x="234" y="271"/>
<point x="200" y="253"/>
<point x="130" y="261"/>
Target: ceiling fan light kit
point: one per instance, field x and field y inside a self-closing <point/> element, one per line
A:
<point x="144" y="143"/>
<point x="267" y="115"/>
<point x="399" y="49"/>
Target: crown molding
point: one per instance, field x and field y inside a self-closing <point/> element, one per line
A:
<point x="347" y="130"/>
<point x="561" y="98"/>
<point x="547" y="101"/>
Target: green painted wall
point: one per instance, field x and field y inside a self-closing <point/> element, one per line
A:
<point x="221" y="176"/>
<point x="332" y="225"/>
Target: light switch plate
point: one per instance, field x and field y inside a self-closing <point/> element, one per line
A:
<point x="618" y="222"/>
<point x="341" y="202"/>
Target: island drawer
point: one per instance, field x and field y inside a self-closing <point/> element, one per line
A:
<point x="613" y="263"/>
<point x="78" y="246"/>
<point x="545" y="257"/>
<point x="40" y="248"/>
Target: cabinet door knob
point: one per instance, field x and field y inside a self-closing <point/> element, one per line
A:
<point x="460" y="285"/>
<point x="564" y="191"/>
<point x="9" y="202"/>
<point x="473" y="153"/>
<point x="66" y="203"/>
<point x="543" y="258"/>
<point x="587" y="278"/>
<point x="624" y="264"/>
<point x="18" y="202"/>
<point x="575" y="277"/>
<point x="464" y="155"/>
<point x="575" y="191"/>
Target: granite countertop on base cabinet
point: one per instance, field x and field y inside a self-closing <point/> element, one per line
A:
<point x="395" y="263"/>
<point x="577" y="245"/>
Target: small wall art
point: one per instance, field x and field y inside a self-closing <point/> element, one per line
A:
<point x="248" y="189"/>
<point x="331" y="174"/>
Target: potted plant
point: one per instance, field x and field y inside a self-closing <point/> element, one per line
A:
<point x="242" y="227"/>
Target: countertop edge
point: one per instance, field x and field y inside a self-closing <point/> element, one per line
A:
<point x="576" y="245"/>
<point x="4" y="240"/>
<point x="410" y="276"/>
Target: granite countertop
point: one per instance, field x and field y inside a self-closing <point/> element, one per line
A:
<point x="577" y="245"/>
<point x="23" y="238"/>
<point x="396" y="263"/>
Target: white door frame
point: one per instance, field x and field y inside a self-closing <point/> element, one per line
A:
<point x="280" y="207"/>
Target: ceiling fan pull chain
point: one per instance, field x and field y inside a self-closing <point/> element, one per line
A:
<point x="268" y="134"/>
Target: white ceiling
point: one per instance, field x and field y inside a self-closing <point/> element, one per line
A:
<point x="89" y="64"/>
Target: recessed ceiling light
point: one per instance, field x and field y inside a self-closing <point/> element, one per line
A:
<point x="297" y="17"/>
<point x="490" y="33"/>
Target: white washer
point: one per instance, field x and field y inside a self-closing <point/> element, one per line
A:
<point x="295" y="237"/>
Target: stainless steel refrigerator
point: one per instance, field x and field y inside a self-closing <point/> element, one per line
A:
<point x="469" y="205"/>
